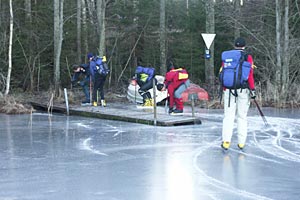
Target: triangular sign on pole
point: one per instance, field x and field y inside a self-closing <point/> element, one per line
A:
<point x="208" y="39"/>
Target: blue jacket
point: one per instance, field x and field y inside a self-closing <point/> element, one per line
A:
<point x="86" y="68"/>
<point x="93" y="66"/>
<point x="145" y="70"/>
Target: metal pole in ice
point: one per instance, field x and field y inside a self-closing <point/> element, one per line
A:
<point x="154" y="101"/>
<point x="66" y="99"/>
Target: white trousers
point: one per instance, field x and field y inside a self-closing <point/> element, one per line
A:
<point x="237" y="108"/>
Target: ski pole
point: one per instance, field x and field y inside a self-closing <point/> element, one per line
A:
<point x="91" y="92"/>
<point x="135" y="88"/>
<point x="166" y="104"/>
<point x="261" y="113"/>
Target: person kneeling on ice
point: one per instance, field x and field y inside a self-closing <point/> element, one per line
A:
<point x="85" y="83"/>
<point x="144" y="77"/>
<point x="176" y="81"/>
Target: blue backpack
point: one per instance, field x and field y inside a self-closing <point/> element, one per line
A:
<point x="101" y="66"/>
<point x="235" y="71"/>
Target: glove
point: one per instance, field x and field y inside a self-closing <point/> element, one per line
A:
<point x="160" y="86"/>
<point x="253" y="94"/>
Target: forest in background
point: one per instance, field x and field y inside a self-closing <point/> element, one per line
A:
<point x="41" y="40"/>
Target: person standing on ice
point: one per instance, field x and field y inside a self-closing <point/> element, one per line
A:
<point x="98" y="75"/>
<point x="237" y="81"/>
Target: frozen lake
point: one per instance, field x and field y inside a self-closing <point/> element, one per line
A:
<point x="60" y="157"/>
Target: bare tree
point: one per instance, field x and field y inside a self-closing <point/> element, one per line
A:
<point x="282" y="52"/>
<point x="11" y="29"/>
<point x="210" y="28"/>
<point x="237" y="15"/>
<point x="58" y="38"/>
<point x="84" y="26"/>
<point x="278" y="49"/>
<point x="286" y="53"/>
<point x="101" y="7"/>
<point x="78" y="41"/>
<point x="162" y="34"/>
<point x="28" y="48"/>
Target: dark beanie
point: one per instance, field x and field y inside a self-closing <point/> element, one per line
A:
<point x="240" y="42"/>
<point x="89" y="55"/>
<point x="170" y="67"/>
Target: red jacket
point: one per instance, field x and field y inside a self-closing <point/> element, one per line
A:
<point x="176" y="76"/>
<point x="251" y="76"/>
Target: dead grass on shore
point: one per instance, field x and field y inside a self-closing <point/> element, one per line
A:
<point x="10" y="105"/>
<point x="21" y="103"/>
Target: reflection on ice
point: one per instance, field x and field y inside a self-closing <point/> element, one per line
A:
<point x="82" y="158"/>
<point x="179" y="181"/>
<point x="230" y="173"/>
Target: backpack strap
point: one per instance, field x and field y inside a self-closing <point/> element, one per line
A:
<point x="244" y="57"/>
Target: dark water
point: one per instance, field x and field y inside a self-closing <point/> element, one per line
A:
<point x="61" y="157"/>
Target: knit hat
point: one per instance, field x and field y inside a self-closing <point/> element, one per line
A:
<point x="90" y="55"/>
<point x="170" y="67"/>
<point x="240" y="42"/>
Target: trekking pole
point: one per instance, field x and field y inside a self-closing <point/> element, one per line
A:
<point x="135" y="91"/>
<point x="154" y="104"/>
<point x="193" y="106"/>
<point x="261" y="113"/>
<point x="91" y="94"/>
<point x="166" y="104"/>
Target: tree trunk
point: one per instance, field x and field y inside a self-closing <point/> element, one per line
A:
<point x="285" y="55"/>
<point x="162" y="36"/>
<point x="237" y="15"/>
<point x="209" y="63"/>
<point x="277" y="92"/>
<point x="101" y="7"/>
<point x="78" y="42"/>
<point x="58" y="38"/>
<point x="11" y="29"/>
<point x="84" y="26"/>
<point x="29" y="46"/>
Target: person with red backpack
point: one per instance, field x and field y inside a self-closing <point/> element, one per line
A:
<point x="176" y="81"/>
<point x="237" y="82"/>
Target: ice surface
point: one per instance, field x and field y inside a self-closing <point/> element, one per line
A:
<point x="69" y="157"/>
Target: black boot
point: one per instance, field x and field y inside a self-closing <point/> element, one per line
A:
<point x="171" y="110"/>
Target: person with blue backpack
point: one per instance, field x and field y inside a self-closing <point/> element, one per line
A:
<point x="144" y="77"/>
<point x="98" y="71"/>
<point x="237" y="84"/>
